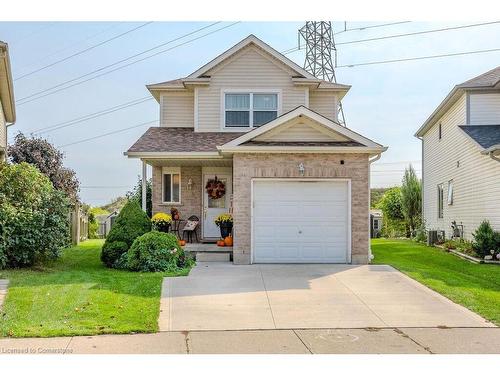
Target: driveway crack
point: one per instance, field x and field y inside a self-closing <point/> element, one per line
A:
<point x="405" y="335"/>
<point x="267" y="296"/>
<point x="302" y="341"/>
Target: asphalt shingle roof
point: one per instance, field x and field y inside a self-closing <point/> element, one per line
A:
<point x="485" y="135"/>
<point x="489" y="79"/>
<point x="163" y="139"/>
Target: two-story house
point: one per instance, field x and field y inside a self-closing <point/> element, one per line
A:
<point x="461" y="157"/>
<point x="7" y="107"/>
<point x="254" y="134"/>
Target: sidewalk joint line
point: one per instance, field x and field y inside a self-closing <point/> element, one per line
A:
<point x="302" y="341"/>
<point x="267" y="296"/>
<point x="405" y="335"/>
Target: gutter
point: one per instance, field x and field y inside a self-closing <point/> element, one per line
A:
<point x="490" y="151"/>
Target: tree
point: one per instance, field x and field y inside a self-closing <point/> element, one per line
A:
<point x="376" y="195"/>
<point x="33" y="216"/>
<point x="411" y="199"/>
<point x="391" y="206"/>
<point x="49" y="160"/>
<point x="136" y="194"/>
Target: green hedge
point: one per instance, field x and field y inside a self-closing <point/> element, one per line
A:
<point x="131" y="223"/>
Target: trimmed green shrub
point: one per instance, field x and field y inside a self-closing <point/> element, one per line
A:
<point x="154" y="252"/>
<point x="484" y="239"/>
<point x="34" y="221"/>
<point x="112" y="251"/>
<point x="131" y="223"/>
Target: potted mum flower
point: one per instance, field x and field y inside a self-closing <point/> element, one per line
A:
<point x="161" y="222"/>
<point x="225" y="223"/>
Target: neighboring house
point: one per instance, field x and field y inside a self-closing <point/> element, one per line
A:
<point x="7" y="106"/>
<point x="295" y="180"/>
<point x="461" y="157"/>
<point x="375" y="223"/>
<point x="105" y="222"/>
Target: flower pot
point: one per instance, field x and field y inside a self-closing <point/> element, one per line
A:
<point x="163" y="227"/>
<point x="182" y="242"/>
<point x="220" y="243"/>
<point x="225" y="229"/>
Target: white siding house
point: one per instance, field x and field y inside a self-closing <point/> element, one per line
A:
<point x="460" y="150"/>
<point x="7" y="107"/>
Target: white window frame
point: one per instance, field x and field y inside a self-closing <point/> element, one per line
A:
<point x="171" y="171"/>
<point x="440" y="201"/>
<point x="250" y="92"/>
<point x="450" y="193"/>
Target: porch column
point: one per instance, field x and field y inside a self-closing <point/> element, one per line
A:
<point x="144" y="180"/>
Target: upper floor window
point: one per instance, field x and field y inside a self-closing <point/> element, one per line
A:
<point x="246" y="110"/>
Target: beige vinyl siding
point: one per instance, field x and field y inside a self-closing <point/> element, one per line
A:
<point x="476" y="189"/>
<point x="177" y="109"/>
<point x="3" y="133"/>
<point x="484" y="108"/>
<point x="248" y="69"/>
<point x="324" y="102"/>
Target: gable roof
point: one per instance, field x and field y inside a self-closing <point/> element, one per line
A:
<point x="198" y="77"/>
<point x="6" y="85"/>
<point x="354" y="143"/>
<point x="488" y="80"/>
<point x="251" y="39"/>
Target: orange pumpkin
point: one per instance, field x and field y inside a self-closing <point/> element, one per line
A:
<point x="228" y="241"/>
<point x="220" y="243"/>
<point x="182" y="242"/>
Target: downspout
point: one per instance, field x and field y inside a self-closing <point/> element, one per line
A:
<point x="370" y="161"/>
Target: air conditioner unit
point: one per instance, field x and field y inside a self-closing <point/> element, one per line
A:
<point x="432" y="237"/>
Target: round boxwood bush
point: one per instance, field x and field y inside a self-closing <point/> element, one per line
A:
<point x="154" y="252"/>
<point x="131" y="223"/>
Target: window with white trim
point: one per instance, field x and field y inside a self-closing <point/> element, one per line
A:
<point x="171" y="181"/>
<point x="248" y="110"/>
<point x="440" y="201"/>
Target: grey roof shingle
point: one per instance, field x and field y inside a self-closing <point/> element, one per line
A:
<point x="489" y="79"/>
<point x="163" y="139"/>
<point x="485" y="135"/>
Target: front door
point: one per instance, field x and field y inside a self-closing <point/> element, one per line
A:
<point x="213" y="207"/>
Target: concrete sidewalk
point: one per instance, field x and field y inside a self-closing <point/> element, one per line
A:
<point x="288" y="341"/>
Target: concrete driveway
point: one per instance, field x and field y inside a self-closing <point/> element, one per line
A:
<point x="222" y="296"/>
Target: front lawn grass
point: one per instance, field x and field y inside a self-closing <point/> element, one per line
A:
<point x="475" y="286"/>
<point x="77" y="295"/>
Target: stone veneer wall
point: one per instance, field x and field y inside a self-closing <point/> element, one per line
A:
<point x="248" y="166"/>
<point x="191" y="200"/>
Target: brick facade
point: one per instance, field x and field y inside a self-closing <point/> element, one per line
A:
<point x="248" y="166"/>
<point x="191" y="200"/>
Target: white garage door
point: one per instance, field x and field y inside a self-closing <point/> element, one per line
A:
<point x="300" y="221"/>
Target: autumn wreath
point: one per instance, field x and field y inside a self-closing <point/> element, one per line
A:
<point x="215" y="188"/>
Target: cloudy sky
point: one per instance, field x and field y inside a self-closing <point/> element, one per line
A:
<point x="387" y="102"/>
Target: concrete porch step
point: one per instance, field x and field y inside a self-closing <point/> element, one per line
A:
<point x="212" y="257"/>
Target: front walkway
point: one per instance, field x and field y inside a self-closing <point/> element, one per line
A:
<point x="328" y="341"/>
<point x="222" y="296"/>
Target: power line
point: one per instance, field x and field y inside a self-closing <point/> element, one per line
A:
<point x="90" y="116"/>
<point x="104" y="187"/>
<point x="76" y="43"/>
<point x="419" y="58"/>
<point x="290" y="50"/>
<point x="418" y="33"/>
<point x="109" y="133"/>
<point x="370" y="27"/>
<point x="36" y="97"/>
<point x="83" y="51"/>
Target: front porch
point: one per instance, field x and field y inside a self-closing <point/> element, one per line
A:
<point x="181" y="184"/>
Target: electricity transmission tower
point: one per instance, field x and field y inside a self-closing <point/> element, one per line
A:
<point x="320" y="45"/>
